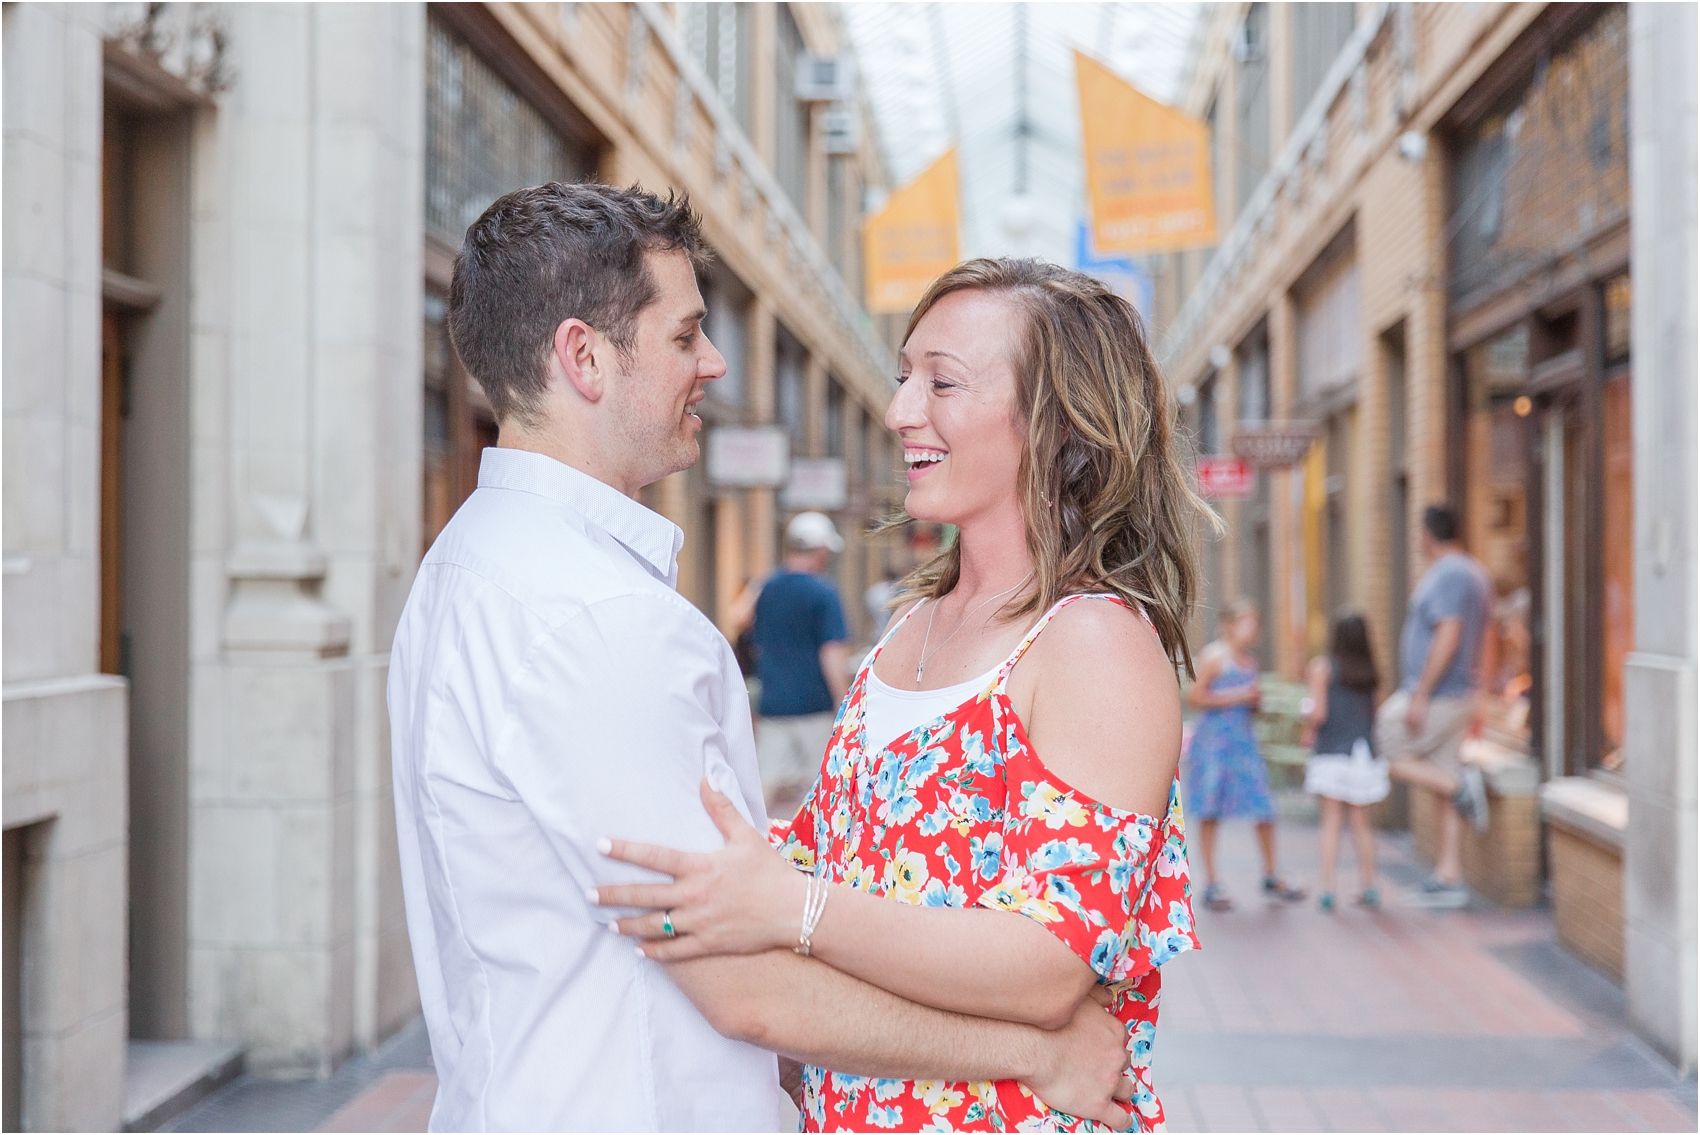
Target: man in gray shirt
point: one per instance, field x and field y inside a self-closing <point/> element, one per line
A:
<point x="1436" y="704"/>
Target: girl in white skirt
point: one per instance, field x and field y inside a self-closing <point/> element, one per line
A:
<point x="1345" y="772"/>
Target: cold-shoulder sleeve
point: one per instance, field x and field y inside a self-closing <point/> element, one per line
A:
<point x="1111" y="884"/>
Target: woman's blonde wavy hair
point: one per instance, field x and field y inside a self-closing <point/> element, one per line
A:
<point x="1105" y="498"/>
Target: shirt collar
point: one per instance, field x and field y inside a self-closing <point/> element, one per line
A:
<point x="650" y="536"/>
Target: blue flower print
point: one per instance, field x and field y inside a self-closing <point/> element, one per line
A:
<point x="889" y="778"/>
<point x="1180" y="917"/>
<point x="935" y="821"/>
<point x="1104" y="953"/>
<point x="1123" y="875"/>
<point x="1140" y="1039"/>
<point x="885" y="1089"/>
<point x="1165" y="944"/>
<point x="885" y="1116"/>
<point x="938" y="893"/>
<point x="975" y="758"/>
<point x="987" y="853"/>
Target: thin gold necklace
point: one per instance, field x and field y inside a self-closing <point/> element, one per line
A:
<point x="921" y="666"/>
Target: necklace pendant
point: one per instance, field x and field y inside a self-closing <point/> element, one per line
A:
<point x="920" y="668"/>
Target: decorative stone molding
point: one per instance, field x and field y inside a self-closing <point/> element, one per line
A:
<point x="274" y="605"/>
<point x="185" y="40"/>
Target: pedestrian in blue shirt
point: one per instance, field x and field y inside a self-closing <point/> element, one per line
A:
<point x="802" y="647"/>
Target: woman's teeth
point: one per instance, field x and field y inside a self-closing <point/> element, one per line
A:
<point x="914" y="459"/>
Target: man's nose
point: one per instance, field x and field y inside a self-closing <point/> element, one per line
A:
<point x="714" y="365"/>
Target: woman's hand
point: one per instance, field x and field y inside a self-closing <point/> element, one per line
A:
<point x="1083" y="1065"/>
<point x="742" y="899"/>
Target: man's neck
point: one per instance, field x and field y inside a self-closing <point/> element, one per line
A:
<point x="554" y="443"/>
<point x="804" y="565"/>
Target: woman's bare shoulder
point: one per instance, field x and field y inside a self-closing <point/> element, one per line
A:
<point x="1107" y="705"/>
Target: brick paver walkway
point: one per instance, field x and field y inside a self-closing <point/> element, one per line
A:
<point x="1399" y="1020"/>
<point x="1287" y="1020"/>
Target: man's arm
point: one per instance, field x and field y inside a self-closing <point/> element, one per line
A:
<point x="809" y="1011"/>
<point x="835" y="667"/>
<point x="1448" y="633"/>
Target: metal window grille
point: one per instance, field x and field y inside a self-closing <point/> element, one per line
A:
<point x="482" y="139"/>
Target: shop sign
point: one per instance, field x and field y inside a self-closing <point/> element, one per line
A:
<point x="756" y="457"/>
<point x="816" y="482"/>
<point x="1226" y="478"/>
<point x="1275" y="445"/>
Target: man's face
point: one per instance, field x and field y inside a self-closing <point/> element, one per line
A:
<point x="656" y="394"/>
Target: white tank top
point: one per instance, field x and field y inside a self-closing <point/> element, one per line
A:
<point x="889" y="713"/>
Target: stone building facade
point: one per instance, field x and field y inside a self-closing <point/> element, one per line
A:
<point x="1431" y="268"/>
<point x="233" y="424"/>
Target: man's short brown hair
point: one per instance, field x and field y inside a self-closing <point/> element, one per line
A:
<point x="554" y="252"/>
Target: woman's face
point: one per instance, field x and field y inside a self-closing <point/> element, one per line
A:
<point x="955" y="409"/>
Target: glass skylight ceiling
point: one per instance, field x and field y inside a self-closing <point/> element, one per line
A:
<point x="998" y="81"/>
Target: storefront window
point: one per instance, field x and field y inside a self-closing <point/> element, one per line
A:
<point x="438" y="500"/>
<point x="1496" y="520"/>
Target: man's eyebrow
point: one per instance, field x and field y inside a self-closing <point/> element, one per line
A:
<point x="693" y="318"/>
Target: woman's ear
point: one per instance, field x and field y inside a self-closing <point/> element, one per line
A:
<point x="575" y="354"/>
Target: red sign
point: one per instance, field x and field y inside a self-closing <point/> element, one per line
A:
<point x="1225" y="478"/>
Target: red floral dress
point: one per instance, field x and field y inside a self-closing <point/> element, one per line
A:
<point x="961" y="811"/>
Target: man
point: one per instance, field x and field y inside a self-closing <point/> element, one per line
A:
<point x="802" y="649"/>
<point x="877" y="598"/>
<point x="1436" y="704"/>
<point x="549" y="690"/>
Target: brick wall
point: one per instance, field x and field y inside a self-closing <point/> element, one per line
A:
<point x="1502" y="863"/>
<point x="1587" y="898"/>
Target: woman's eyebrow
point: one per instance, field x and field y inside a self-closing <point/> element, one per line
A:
<point x="945" y="354"/>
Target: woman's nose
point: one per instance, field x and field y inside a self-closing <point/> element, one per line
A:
<point x="907" y="408"/>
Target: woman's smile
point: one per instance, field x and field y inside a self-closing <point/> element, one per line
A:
<point x="922" y="461"/>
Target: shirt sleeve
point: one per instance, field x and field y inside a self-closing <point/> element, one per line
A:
<point x="611" y="726"/>
<point x="832" y="625"/>
<point x="1111" y="885"/>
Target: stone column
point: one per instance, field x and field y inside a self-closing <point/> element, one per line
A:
<point x="64" y="761"/>
<point x="308" y="319"/>
<point x="1659" y="679"/>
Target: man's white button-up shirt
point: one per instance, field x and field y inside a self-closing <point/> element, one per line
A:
<point x="548" y="687"/>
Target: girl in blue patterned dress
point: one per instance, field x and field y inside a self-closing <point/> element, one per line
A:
<point x="1223" y="772"/>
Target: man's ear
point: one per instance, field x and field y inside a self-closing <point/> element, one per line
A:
<point x="575" y="353"/>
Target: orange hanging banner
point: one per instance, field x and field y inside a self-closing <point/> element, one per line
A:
<point x="913" y="240"/>
<point x="1147" y="167"/>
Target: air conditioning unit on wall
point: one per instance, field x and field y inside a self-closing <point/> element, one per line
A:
<point x="840" y="130"/>
<point x="823" y="78"/>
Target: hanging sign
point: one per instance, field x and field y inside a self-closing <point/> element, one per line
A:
<point x="816" y="482"/>
<point x="1275" y="445"/>
<point x="1124" y="277"/>
<point x="913" y="240"/>
<point x="750" y="458"/>
<point x="1147" y="167"/>
<point x="1226" y="478"/>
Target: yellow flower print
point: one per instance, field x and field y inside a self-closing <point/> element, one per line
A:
<point x="1042" y="802"/>
<point x="1023" y="894"/>
<point x="906" y="876"/>
<point x="937" y="1096"/>
<point x="858" y="875"/>
<point x="799" y="856"/>
<point x="986" y="1092"/>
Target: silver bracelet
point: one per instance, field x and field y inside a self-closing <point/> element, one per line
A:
<point x="814" y="903"/>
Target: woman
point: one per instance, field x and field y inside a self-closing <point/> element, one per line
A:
<point x="1225" y="776"/>
<point x="1345" y="773"/>
<point x="1011" y="744"/>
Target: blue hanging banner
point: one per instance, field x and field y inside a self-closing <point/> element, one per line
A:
<point x="1124" y="277"/>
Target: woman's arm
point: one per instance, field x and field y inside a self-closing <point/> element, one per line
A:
<point x="1199" y="695"/>
<point x="743" y="899"/>
<point x="1315" y="705"/>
